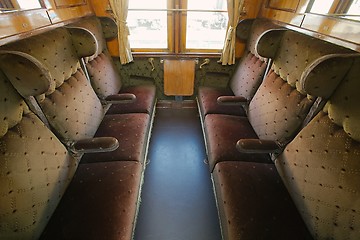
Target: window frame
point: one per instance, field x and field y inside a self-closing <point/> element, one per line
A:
<point x="176" y="32"/>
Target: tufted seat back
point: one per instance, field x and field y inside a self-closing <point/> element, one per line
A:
<point x="321" y="166"/>
<point x="281" y="103"/>
<point x="70" y="104"/>
<point x="250" y="71"/>
<point x="35" y="168"/>
<point x="104" y="76"/>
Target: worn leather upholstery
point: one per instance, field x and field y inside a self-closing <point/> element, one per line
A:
<point x="104" y="76"/>
<point x="320" y="167"/>
<point x="35" y="168"/>
<point x="281" y="103"/>
<point x="248" y="74"/>
<point x="254" y="203"/>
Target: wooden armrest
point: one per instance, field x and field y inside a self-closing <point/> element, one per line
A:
<point x="232" y="100"/>
<point x="121" y="98"/>
<point x="257" y="146"/>
<point x="95" y="145"/>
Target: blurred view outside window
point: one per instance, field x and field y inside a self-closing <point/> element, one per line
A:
<point x="148" y="29"/>
<point x="206" y="23"/>
<point x="206" y="30"/>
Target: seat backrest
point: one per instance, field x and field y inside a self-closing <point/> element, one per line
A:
<point x="35" y="168"/>
<point x="103" y="74"/>
<point x="281" y="103"/>
<point x="251" y="67"/>
<point x="321" y="166"/>
<point x="70" y="104"/>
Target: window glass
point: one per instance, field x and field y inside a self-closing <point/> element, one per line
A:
<point x="148" y="29"/>
<point x="321" y="6"/>
<point x="206" y="29"/>
<point x="29" y="4"/>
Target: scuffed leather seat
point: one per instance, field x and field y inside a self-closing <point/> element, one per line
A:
<point x="103" y="74"/>
<point x="71" y="105"/>
<point x="321" y="166"/>
<point x="248" y="74"/>
<point x="280" y="105"/>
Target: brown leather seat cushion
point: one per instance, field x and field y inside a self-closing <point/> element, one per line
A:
<point x="254" y="203"/>
<point x="100" y="203"/>
<point x="222" y="133"/>
<point x="145" y="100"/>
<point x="131" y="130"/>
<point x="208" y="105"/>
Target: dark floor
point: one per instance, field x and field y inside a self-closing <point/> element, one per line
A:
<point x="177" y="201"/>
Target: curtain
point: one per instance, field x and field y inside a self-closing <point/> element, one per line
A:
<point x="234" y="13"/>
<point x="120" y="10"/>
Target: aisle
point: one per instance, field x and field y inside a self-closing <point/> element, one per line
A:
<point x="177" y="201"/>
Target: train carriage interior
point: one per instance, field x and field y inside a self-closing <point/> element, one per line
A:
<point x="180" y="119"/>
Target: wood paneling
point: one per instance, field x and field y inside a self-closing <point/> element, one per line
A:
<point x="69" y="3"/>
<point x="65" y="14"/>
<point x="282" y="16"/>
<point x="335" y="27"/>
<point x="179" y="77"/>
<point x="21" y="22"/>
<point x="284" y="5"/>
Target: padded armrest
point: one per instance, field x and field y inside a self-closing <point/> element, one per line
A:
<point x="95" y="145"/>
<point x="232" y="100"/>
<point x="121" y="98"/>
<point x="257" y="146"/>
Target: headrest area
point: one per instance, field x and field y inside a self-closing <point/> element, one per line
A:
<point x="343" y="106"/>
<point x="26" y="73"/>
<point x="243" y="28"/>
<point x="297" y="56"/>
<point x="109" y="26"/>
<point x="323" y="76"/>
<point x="269" y="42"/>
<point x="84" y="41"/>
<point x="55" y="53"/>
<point x="12" y="106"/>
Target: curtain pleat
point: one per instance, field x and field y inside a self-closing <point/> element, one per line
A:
<point x="234" y="13"/>
<point x="120" y="11"/>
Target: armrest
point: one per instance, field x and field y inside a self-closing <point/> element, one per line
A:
<point x="232" y="100"/>
<point x="95" y="145"/>
<point x="257" y="146"/>
<point x="121" y="98"/>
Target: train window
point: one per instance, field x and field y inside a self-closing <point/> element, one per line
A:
<point x="206" y="29"/>
<point x="346" y="8"/>
<point x="29" y="4"/>
<point x="321" y="6"/>
<point x="147" y="22"/>
<point x="177" y="26"/>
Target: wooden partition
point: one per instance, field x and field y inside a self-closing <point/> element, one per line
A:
<point x="179" y="76"/>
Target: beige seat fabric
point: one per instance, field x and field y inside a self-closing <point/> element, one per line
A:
<point x="321" y="166"/>
<point x="104" y="75"/>
<point x="70" y="105"/>
<point x="35" y="168"/>
<point x="248" y="73"/>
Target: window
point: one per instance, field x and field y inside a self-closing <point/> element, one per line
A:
<point x="178" y="26"/>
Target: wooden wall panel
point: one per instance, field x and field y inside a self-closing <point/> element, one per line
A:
<point x="339" y="28"/>
<point x="69" y="3"/>
<point x="179" y="76"/>
<point x="21" y="22"/>
<point x="66" y="14"/>
<point x="284" y="5"/>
